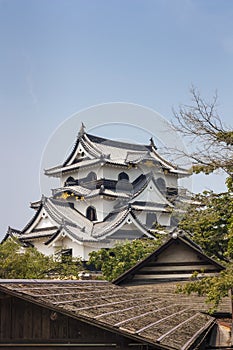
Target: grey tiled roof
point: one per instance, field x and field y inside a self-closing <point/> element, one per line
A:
<point x="39" y="234"/>
<point x="65" y="217"/>
<point x="110" y="152"/>
<point x="154" y="315"/>
<point x="58" y="170"/>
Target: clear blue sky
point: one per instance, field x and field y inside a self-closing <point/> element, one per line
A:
<point x="59" y="56"/>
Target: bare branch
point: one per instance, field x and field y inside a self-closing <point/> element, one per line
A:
<point x="211" y="142"/>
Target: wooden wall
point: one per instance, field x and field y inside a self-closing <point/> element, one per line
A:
<point x="29" y="326"/>
<point x="176" y="262"/>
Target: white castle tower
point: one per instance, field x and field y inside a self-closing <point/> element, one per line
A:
<point x="110" y="191"/>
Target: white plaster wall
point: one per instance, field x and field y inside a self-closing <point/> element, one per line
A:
<point x="179" y="253"/>
<point x="96" y="169"/>
<point x="171" y="180"/>
<point x="110" y="172"/>
<point x="164" y="219"/>
<point x="81" y="206"/>
<point x="108" y="206"/>
<point x="151" y="194"/>
<point x="156" y="170"/>
<point x="67" y="243"/>
<point x="81" y="173"/>
<point x="88" y="249"/>
<point x="42" y="248"/>
<point x="44" y="222"/>
<point x="77" y="249"/>
<point x="102" y="206"/>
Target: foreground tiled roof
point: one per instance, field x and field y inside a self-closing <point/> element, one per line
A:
<point x="159" y="317"/>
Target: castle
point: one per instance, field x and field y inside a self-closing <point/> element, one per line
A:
<point x="110" y="191"/>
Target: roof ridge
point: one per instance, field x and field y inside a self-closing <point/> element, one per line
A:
<point x="119" y="144"/>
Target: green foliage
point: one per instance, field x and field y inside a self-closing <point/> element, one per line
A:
<point x="18" y="262"/>
<point x="213" y="288"/>
<point x="113" y="262"/>
<point x="68" y="268"/>
<point x="206" y="169"/>
<point x="229" y="183"/>
<point x="225" y="137"/>
<point x="209" y="222"/>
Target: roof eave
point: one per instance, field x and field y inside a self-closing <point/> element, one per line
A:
<point x="83" y="318"/>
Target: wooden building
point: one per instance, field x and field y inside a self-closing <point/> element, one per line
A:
<point x="99" y="315"/>
<point x="146" y="313"/>
<point x="175" y="260"/>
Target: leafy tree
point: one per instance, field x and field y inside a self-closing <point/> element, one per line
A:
<point x="17" y="262"/>
<point x="214" y="288"/>
<point x="210" y="220"/>
<point x="68" y="268"/>
<point x="113" y="262"/>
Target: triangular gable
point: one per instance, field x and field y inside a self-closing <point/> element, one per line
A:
<point x="151" y="194"/>
<point x="73" y="154"/>
<point x="36" y="223"/>
<point x="82" y="151"/>
<point x="59" y="235"/>
<point x="175" y="260"/>
<point x="103" y="231"/>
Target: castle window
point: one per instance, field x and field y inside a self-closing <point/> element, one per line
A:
<point x="91" y="177"/>
<point x="91" y="213"/>
<point x="161" y="184"/>
<point x="123" y="176"/>
<point x="70" y="181"/>
<point x="151" y="220"/>
<point x="123" y="183"/>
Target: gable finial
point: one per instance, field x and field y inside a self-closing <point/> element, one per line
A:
<point x="43" y="199"/>
<point x="81" y="130"/>
<point x="63" y="223"/>
<point x="152" y="143"/>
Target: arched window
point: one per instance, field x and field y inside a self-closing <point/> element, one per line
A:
<point x="91" y="213"/>
<point x="91" y="176"/>
<point x="123" y="183"/>
<point x="70" y="181"/>
<point x="151" y="220"/>
<point x="123" y="176"/>
<point x="161" y="184"/>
